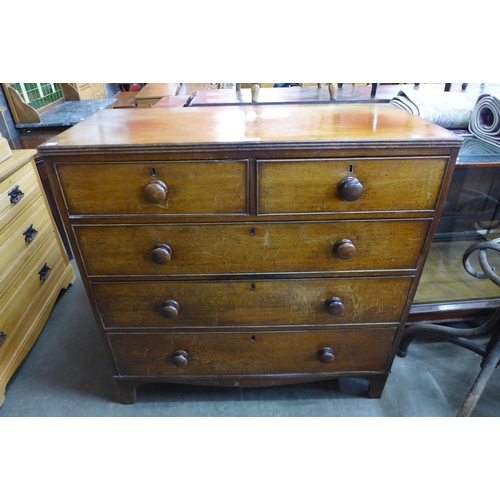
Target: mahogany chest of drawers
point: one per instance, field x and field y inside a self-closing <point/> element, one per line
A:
<point x="251" y="245"/>
<point x="33" y="265"/>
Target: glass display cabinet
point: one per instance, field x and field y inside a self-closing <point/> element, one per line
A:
<point x="471" y="214"/>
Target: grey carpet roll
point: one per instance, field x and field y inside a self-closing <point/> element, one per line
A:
<point x="485" y="119"/>
<point x="451" y="110"/>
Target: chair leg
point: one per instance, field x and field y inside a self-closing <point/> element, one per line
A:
<point x="255" y="91"/>
<point x="332" y="89"/>
<point x="489" y="364"/>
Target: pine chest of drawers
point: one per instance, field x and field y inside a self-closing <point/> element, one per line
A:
<point x="251" y="245"/>
<point x="33" y="265"/>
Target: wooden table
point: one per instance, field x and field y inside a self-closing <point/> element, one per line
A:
<point x="125" y="100"/>
<point x="151" y="93"/>
<point x="172" y="101"/>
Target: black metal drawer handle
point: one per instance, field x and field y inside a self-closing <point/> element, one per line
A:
<point x="3" y="336"/>
<point x="29" y="234"/>
<point x="15" y="195"/>
<point x="44" y="272"/>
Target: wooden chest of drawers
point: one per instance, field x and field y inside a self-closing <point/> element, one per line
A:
<point x="33" y="265"/>
<point x="251" y="245"/>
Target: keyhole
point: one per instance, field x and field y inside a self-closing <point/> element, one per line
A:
<point x="252" y="231"/>
<point x="153" y="172"/>
<point x="351" y="169"/>
<point x="252" y="338"/>
<point x="252" y="286"/>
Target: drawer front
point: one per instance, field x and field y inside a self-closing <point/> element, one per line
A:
<point x="21" y="239"/>
<point x="320" y="186"/>
<point x="22" y="315"/>
<point x="17" y="192"/>
<point x="250" y="248"/>
<point x="208" y="304"/>
<point x="258" y="354"/>
<point x="166" y="188"/>
<point x="15" y="303"/>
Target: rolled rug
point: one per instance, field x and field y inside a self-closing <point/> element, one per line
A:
<point x="485" y="119"/>
<point x="451" y="110"/>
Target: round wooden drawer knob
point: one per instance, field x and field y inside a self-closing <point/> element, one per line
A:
<point x="180" y="358"/>
<point x="351" y="189"/>
<point x="325" y="355"/>
<point x="161" y="253"/>
<point x="170" y="309"/>
<point x="344" y="249"/>
<point x="156" y="192"/>
<point x="334" y="306"/>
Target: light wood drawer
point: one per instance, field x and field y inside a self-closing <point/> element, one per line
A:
<point x="16" y="302"/>
<point x="21" y="239"/>
<point x="18" y="341"/>
<point x="192" y="187"/>
<point x="209" y="304"/>
<point x="258" y="354"/>
<point x="187" y="249"/>
<point x="17" y="192"/>
<point x="316" y="186"/>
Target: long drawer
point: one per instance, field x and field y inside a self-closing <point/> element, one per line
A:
<point x="21" y="239"/>
<point x="258" y="354"/>
<point x="208" y="304"/>
<point x="320" y="186"/>
<point x="16" y="303"/>
<point x="166" y="188"/>
<point x="17" y="192"/>
<point x="188" y="249"/>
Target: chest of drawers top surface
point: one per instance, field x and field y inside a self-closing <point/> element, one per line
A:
<point x="255" y="126"/>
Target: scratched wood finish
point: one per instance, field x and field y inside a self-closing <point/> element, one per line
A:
<point x="314" y="186"/>
<point x="343" y="124"/>
<point x="249" y="273"/>
<point x="251" y="303"/>
<point x="252" y="353"/>
<point x="205" y="187"/>
<point x="126" y="250"/>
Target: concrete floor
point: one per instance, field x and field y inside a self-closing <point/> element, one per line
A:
<point x="67" y="374"/>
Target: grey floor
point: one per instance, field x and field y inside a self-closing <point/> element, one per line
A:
<point x="67" y="374"/>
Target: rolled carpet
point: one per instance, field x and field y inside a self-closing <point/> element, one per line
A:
<point x="485" y="119"/>
<point x="451" y="110"/>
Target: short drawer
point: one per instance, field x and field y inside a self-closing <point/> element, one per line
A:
<point x="162" y="188"/>
<point x="348" y="185"/>
<point x="20" y="240"/>
<point x="170" y="249"/>
<point x="280" y="302"/>
<point x="247" y="354"/>
<point x="17" y="192"/>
